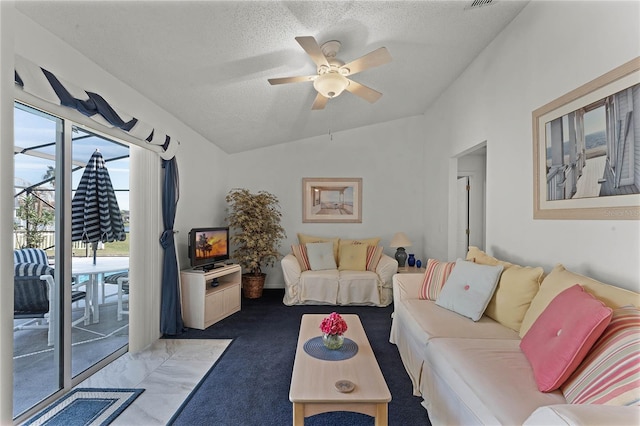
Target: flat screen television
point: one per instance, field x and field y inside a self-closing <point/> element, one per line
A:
<point x="208" y="247"/>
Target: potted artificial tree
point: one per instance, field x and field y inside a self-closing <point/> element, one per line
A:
<point x="256" y="235"/>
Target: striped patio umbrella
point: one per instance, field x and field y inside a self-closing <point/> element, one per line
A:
<point x="95" y="214"/>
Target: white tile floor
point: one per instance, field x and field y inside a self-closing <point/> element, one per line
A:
<point x="168" y="371"/>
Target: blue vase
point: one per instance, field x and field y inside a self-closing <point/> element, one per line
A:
<point x="411" y="260"/>
<point x="418" y="263"/>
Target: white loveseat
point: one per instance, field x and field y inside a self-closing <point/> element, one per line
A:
<point x="475" y="372"/>
<point x="369" y="284"/>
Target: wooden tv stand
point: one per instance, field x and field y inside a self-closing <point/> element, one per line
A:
<point x="202" y="303"/>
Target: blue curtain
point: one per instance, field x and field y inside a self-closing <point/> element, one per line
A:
<point x="170" y="311"/>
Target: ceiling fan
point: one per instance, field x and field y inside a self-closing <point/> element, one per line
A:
<point x="331" y="79"/>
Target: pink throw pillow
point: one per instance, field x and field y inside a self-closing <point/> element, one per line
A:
<point x="435" y="276"/>
<point x="560" y="338"/>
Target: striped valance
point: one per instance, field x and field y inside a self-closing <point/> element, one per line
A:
<point x="45" y="85"/>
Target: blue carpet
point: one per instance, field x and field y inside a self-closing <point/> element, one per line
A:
<point x="249" y="384"/>
<point x="86" y="406"/>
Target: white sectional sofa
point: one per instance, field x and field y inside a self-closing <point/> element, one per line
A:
<point x="476" y="373"/>
<point x="357" y="273"/>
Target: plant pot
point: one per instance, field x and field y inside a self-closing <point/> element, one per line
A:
<point x="252" y="285"/>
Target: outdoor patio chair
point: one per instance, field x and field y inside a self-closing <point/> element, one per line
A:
<point x="33" y="288"/>
<point x="121" y="279"/>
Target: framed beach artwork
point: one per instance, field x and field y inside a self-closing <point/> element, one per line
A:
<point x="332" y="200"/>
<point x="586" y="148"/>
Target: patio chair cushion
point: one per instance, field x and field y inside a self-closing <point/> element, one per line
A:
<point x="31" y="294"/>
<point x="30" y="255"/>
<point x="113" y="279"/>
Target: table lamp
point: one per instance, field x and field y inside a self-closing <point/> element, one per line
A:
<point x="400" y="241"/>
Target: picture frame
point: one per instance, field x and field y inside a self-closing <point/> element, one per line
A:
<point x="586" y="150"/>
<point x="332" y="200"/>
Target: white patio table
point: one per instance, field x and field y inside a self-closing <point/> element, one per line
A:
<point x="85" y="266"/>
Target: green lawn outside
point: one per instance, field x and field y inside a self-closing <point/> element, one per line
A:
<point x="116" y="248"/>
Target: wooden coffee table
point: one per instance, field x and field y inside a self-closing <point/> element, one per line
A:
<point x="313" y="380"/>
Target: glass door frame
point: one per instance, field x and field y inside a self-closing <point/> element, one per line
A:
<point x="63" y="243"/>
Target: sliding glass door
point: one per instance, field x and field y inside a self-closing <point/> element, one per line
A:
<point x="73" y="312"/>
<point x="36" y="338"/>
<point x="99" y="268"/>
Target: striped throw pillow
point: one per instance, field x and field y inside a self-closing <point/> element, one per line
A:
<point x="435" y="276"/>
<point x="300" y="252"/>
<point x="610" y="374"/>
<point x="374" y="253"/>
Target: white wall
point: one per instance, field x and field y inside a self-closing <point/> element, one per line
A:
<point x="388" y="158"/>
<point x="549" y="49"/>
<point x="203" y="184"/>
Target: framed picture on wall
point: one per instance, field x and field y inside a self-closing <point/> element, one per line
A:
<point x="332" y="200"/>
<point x="586" y="148"/>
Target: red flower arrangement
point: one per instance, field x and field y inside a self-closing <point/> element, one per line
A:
<point x="333" y="324"/>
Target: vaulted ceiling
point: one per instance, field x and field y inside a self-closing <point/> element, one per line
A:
<point x="207" y="62"/>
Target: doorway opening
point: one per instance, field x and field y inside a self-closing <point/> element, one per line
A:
<point x="468" y="201"/>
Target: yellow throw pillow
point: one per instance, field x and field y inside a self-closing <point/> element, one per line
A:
<point x="307" y="239"/>
<point x="518" y="285"/>
<point x="560" y="279"/>
<point x="478" y="256"/>
<point x="353" y="257"/>
<point x="363" y="241"/>
<point x="366" y="241"/>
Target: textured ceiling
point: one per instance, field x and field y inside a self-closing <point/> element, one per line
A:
<point x="207" y="62"/>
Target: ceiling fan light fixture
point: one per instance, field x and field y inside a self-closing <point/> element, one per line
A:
<point x="330" y="84"/>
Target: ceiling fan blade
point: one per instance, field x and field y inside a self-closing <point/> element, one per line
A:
<point x="310" y="45"/>
<point x="376" y="58"/>
<point x="285" y="80"/>
<point x="366" y="93"/>
<point x="319" y="102"/>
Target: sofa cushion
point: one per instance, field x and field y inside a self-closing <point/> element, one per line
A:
<point x="428" y="320"/>
<point x="610" y="374"/>
<point x="304" y="239"/>
<point x="469" y="288"/>
<point x="436" y="274"/>
<point x="490" y="378"/>
<point x="560" y="279"/>
<point x="358" y="288"/>
<point x="321" y="256"/>
<point x="300" y="253"/>
<point x="319" y="286"/>
<point x="353" y="257"/>
<point x="516" y="288"/>
<point x="374" y="254"/>
<point x="557" y="342"/>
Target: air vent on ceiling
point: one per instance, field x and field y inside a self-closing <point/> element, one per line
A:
<point x="478" y="3"/>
